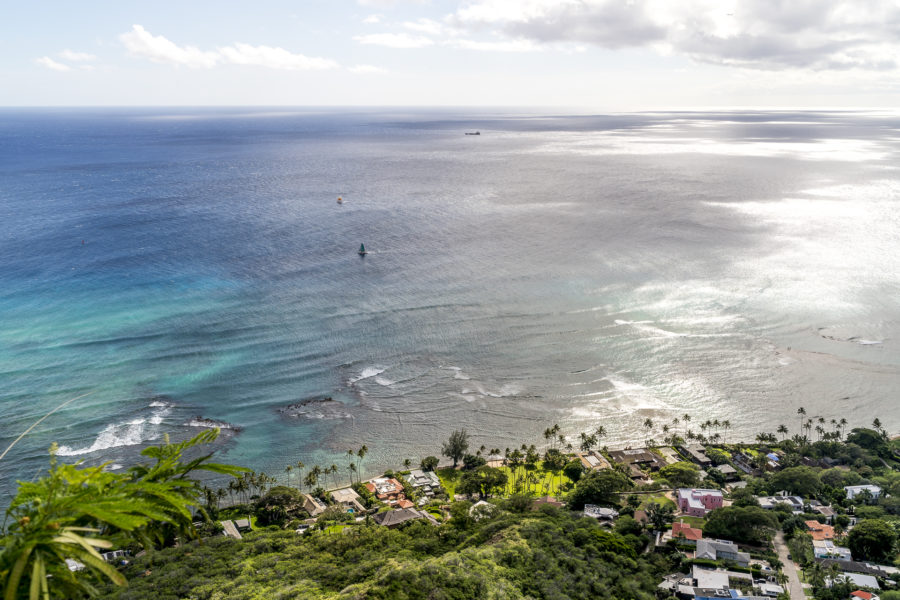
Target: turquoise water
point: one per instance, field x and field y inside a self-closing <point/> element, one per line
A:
<point x="582" y="270"/>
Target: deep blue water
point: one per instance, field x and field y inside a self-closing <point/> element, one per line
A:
<point x="585" y="270"/>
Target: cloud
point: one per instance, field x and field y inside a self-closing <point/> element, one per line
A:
<point x="372" y="20"/>
<point x="395" y="40"/>
<point x="366" y="69"/>
<point x="140" y="42"/>
<point x="757" y="34"/>
<point x="73" y="56"/>
<point x="48" y="62"/>
<point x="273" y="58"/>
<point x="500" y="46"/>
<point x="426" y="26"/>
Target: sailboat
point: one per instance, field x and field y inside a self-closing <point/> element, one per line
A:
<point x="362" y="250"/>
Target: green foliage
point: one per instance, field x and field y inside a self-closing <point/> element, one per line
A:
<point x="455" y="447"/>
<point x="749" y="524"/>
<point x="743" y="497"/>
<point x="473" y="461"/>
<point x="681" y="474"/>
<point x="518" y="503"/>
<point x="718" y="457"/>
<point x="484" y="481"/>
<point x="574" y="470"/>
<point x="429" y="463"/>
<point x="599" y="487"/>
<point x="536" y="555"/>
<point x="277" y="506"/>
<point x="802" y="481"/>
<point x="869" y="512"/>
<point x="872" y="540"/>
<point x="74" y="510"/>
<point x="870" y="440"/>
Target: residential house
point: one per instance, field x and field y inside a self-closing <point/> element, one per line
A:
<point x="820" y="531"/>
<point x="862" y="595"/>
<point x="866" y="581"/>
<point x="684" y="533"/>
<point x="600" y="512"/>
<point x="313" y="505"/>
<point x="852" y="566"/>
<point x="696" y="454"/>
<point x="395" y="518"/>
<point x="386" y="489"/>
<point x="425" y="481"/>
<point x="727" y="471"/>
<point x="546" y="501"/>
<point x="770" y="590"/>
<point x="698" y="502"/>
<point x="855" y="490"/>
<point x="770" y="502"/>
<point x="721" y="550"/>
<point x="592" y="461"/>
<point x="349" y="499"/>
<point x="827" y="549"/>
<point x="242" y="524"/>
<point x="637" y="460"/>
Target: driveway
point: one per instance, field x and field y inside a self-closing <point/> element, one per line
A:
<point x="794" y="587"/>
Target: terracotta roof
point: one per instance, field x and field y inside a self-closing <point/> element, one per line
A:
<point x="689" y="533"/>
<point x="404" y="503"/>
<point x="862" y="594"/>
<point x="820" y="531"/>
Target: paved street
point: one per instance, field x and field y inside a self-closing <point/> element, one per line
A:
<point x="794" y="587"/>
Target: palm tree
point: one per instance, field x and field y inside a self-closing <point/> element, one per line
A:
<point x="352" y="468"/>
<point x="648" y="423"/>
<point x="361" y="454"/>
<point x="726" y="424"/>
<point x="843" y="424"/>
<point x="802" y="412"/>
<point x="287" y="471"/>
<point x="783" y="430"/>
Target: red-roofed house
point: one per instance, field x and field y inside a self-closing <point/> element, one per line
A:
<point x="820" y="531"/>
<point x="386" y="489"/>
<point x="861" y="595"/>
<point x="685" y="533"/>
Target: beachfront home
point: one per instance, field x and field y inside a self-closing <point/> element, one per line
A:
<point x="349" y="499"/>
<point x="425" y="481"/>
<point x="827" y="549"/>
<point x="386" y="489"/>
<point x="697" y="502"/>
<point x="820" y="531"/>
<point x="395" y="518"/>
<point x="637" y="460"/>
<point x="546" y="501"/>
<point x="696" y="453"/>
<point x="861" y="595"/>
<point x="313" y="505"/>
<point x="855" y="490"/>
<point x="721" y="550"/>
<point x="591" y="461"/>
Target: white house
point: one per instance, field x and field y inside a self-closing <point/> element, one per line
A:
<point x="855" y="490"/>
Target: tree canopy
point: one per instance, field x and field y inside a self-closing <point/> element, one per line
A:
<point x="455" y="447"/>
<point x="599" y="487"/>
<point x="747" y="524"/>
<point x="872" y="539"/>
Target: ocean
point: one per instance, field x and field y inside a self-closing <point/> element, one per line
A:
<point x="185" y="267"/>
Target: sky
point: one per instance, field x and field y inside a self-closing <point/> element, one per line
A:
<point x="597" y="54"/>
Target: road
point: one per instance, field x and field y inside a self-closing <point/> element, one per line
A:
<point x="794" y="587"/>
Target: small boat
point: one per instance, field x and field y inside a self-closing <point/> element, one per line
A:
<point x="340" y="200"/>
<point x="473" y="133"/>
<point x="362" y="250"/>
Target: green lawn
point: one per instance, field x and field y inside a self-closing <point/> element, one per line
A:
<point x="657" y="499"/>
<point x="334" y="528"/>
<point x="695" y="522"/>
<point x="546" y="483"/>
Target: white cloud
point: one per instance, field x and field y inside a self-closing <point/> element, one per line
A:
<point x="501" y="46"/>
<point x="366" y="69"/>
<point x="73" y="56"/>
<point x="426" y="26"/>
<point x="395" y="40"/>
<point x="757" y="34"/>
<point x="140" y="42"/>
<point x="48" y="62"/>
<point x="372" y="20"/>
<point x="273" y="58"/>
